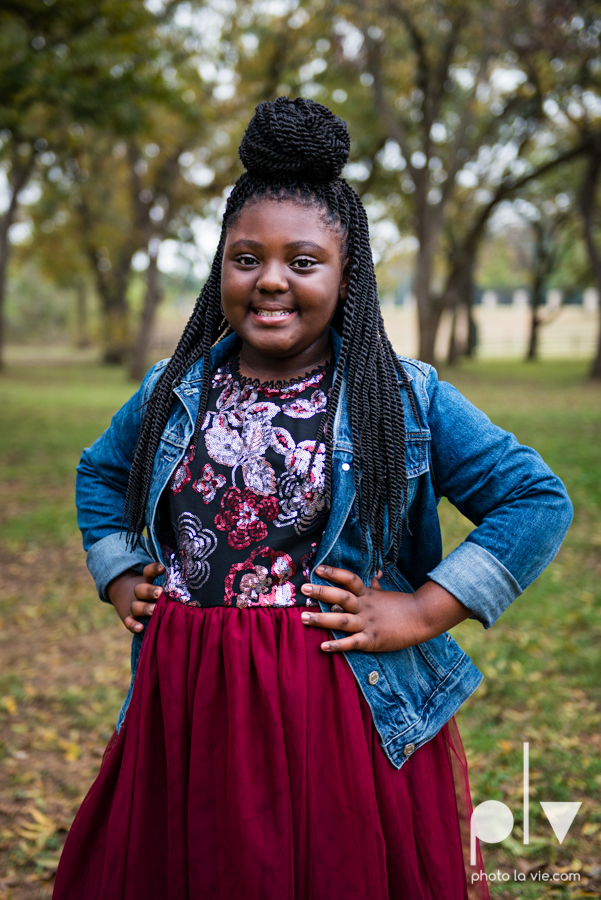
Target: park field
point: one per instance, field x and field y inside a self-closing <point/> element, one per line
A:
<point x="65" y="656"/>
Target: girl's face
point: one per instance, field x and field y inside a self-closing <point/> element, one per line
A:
<point x="281" y="277"/>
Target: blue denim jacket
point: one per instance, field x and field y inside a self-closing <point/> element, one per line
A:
<point x="520" y="509"/>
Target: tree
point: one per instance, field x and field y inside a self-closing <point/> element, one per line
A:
<point x="62" y="66"/>
<point x="446" y="124"/>
<point x="565" y="62"/>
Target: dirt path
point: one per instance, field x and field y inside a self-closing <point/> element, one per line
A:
<point x="64" y="672"/>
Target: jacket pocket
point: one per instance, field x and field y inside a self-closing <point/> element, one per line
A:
<point x="417" y="452"/>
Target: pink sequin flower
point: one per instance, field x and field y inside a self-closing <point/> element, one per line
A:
<point x="260" y="586"/>
<point x="209" y="483"/>
<point x="244" y="516"/>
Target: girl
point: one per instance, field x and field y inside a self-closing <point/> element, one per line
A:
<point x="289" y="734"/>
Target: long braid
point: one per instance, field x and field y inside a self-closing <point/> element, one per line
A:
<point x="296" y="150"/>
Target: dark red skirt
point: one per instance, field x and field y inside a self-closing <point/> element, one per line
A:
<point x="249" y="767"/>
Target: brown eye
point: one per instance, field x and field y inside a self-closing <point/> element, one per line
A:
<point x="246" y="261"/>
<point x="304" y="263"/>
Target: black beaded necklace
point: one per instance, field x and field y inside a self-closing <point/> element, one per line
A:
<point x="280" y="384"/>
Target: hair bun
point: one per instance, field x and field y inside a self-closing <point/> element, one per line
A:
<point x="295" y="140"/>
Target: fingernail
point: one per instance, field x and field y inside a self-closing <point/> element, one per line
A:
<point x="157" y="593"/>
<point x="326" y="646"/>
<point x="307" y="588"/>
<point x="322" y="569"/>
<point x="305" y="617"/>
<point x="139" y="627"/>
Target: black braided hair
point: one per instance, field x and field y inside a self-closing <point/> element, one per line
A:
<point x="296" y="149"/>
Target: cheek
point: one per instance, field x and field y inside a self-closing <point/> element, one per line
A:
<point x="327" y="298"/>
<point x="233" y="289"/>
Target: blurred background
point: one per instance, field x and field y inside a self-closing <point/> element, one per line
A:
<point x="476" y="149"/>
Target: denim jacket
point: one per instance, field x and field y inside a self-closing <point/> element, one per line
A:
<point x="521" y="511"/>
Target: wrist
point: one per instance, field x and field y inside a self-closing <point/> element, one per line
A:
<point x="438" y="610"/>
<point x="120" y="590"/>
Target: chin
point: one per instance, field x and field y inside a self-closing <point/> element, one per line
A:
<point x="273" y="345"/>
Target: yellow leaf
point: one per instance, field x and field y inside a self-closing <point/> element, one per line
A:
<point x="505" y="746"/>
<point x="48" y="862"/>
<point x="591" y="828"/>
<point x="10" y="704"/>
<point x="39" y="816"/>
<point x="72" y="750"/>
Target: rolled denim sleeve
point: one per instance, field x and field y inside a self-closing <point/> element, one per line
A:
<point x="110" y="557"/>
<point x="521" y="509"/>
<point x="100" y="488"/>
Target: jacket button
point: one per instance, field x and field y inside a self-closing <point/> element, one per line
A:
<point x="345" y="467"/>
<point x="408" y="749"/>
<point x="373" y="677"/>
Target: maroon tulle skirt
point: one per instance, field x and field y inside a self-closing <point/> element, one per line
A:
<point x="249" y="767"/>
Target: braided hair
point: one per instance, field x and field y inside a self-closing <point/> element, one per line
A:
<point x="296" y="149"/>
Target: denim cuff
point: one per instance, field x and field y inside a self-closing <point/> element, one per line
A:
<point x="478" y="580"/>
<point x="110" y="557"/>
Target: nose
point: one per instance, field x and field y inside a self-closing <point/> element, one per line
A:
<point x="273" y="278"/>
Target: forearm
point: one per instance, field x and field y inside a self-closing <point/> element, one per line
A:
<point x="520" y="508"/>
<point x="436" y="610"/>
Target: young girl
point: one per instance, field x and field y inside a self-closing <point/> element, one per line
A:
<point x="289" y="733"/>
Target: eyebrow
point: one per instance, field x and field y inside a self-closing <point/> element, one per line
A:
<point x="293" y="245"/>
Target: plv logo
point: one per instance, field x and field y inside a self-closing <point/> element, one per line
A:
<point x="492" y="821"/>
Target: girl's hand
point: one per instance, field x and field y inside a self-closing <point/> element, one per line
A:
<point x="381" y="620"/>
<point x="133" y="594"/>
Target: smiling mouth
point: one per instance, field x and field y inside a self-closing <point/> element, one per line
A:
<point x="273" y="313"/>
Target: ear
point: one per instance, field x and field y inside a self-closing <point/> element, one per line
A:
<point x="344" y="279"/>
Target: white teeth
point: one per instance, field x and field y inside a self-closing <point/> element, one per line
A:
<point x="274" y="312"/>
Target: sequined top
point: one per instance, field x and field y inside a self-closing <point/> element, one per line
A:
<point x="245" y="514"/>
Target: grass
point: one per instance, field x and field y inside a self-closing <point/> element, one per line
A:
<point x="66" y="659"/>
<point x="541" y="660"/>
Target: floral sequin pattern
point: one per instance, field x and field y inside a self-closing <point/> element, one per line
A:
<point x="304" y="409"/>
<point x="182" y="476"/>
<point x="246" y="449"/>
<point x="245" y="504"/>
<point x="175" y="586"/>
<point x="259" y="585"/>
<point x="307" y="562"/>
<point x="209" y="483"/>
<point x="239" y="431"/>
<point x="244" y="516"/>
<point x="195" y="546"/>
<point x="302" y="493"/>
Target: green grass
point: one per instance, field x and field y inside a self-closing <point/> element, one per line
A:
<point x="541" y="661"/>
<point x="48" y="415"/>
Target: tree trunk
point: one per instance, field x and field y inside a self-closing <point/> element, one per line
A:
<point x="457" y="294"/>
<point x="152" y="299"/>
<point x="82" y="335"/>
<point x="535" y="320"/>
<point x="115" y="326"/>
<point x="18" y="178"/>
<point x="596" y="367"/>
<point x="472" y="328"/>
<point x="452" y="351"/>
<point x="541" y="265"/>
<point x="587" y="210"/>
<point x="112" y="291"/>
<point x="428" y="311"/>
